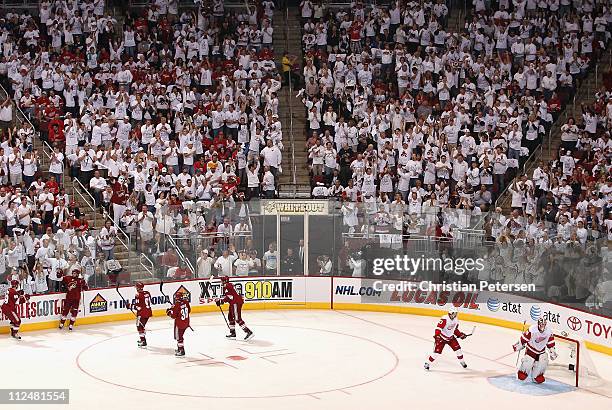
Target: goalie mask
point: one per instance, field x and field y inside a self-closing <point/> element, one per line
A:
<point x="542" y="322"/>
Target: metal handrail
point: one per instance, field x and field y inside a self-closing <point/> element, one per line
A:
<point x="180" y="253"/>
<point x="290" y="101"/>
<point x="76" y="192"/>
<point x="147" y="259"/>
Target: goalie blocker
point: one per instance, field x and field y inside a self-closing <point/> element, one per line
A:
<point x="536" y="339"/>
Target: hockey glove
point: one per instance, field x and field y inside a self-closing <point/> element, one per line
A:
<point x="517" y="346"/>
<point x="553" y="353"/>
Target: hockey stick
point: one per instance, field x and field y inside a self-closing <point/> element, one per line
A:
<point x="518" y="352"/>
<point x="161" y="289"/>
<point x="83" y="301"/>
<point x="124" y="301"/>
<point x="470" y="334"/>
<point x="224" y="318"/>
<point x="222" y="313"/>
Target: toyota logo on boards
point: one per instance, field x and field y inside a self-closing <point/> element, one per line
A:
<point x="574" y="323"/>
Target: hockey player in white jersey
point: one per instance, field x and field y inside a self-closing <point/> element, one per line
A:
<point x="447" y="332"/>
<point x="535" y="361"/>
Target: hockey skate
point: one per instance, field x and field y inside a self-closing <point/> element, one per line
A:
<point x="15" y="335"/>
<point x="426" y="366"/>
<point x="179" y="352"/>
<point x="463" y="364"/>
<point x="249" y="335"/>
<point x="142" y="343"/>
<point x="232" y="334"/>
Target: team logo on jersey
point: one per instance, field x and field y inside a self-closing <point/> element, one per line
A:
<point x="574" y="323"/>
<point x="98" y="304"/>
<point x="493" y="304"/>
<point x="182" y="291"/>
<point x="535" y="312"/>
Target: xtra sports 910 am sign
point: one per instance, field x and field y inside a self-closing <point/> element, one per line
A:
<point x="253" y="290"/>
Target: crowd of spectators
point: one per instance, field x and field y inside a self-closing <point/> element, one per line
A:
<point x="147" y="109"/>
<point x="170" y="119"/>
<point x="406" y="115"/>
<point x="396" y="104"/>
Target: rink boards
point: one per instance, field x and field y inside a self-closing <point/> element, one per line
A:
<point x="500" y="309"/>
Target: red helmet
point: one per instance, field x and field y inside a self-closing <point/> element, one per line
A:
<point x="224" y="279"/>
<point x="14" y="283"/>
<point x="182" y="296"/>
<point x="139" y="286"/>
<point x="76" y="272"/>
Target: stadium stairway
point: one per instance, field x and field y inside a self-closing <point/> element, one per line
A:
<point x="456" y="16"/>
<point x="584" y="95"/>
<point x="294" y="182"/>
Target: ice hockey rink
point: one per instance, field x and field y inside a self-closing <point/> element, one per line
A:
<point x="299" y="359"/>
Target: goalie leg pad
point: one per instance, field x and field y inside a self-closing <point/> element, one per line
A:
<point x="540" y="367"/>
<point x="526" y="364"/>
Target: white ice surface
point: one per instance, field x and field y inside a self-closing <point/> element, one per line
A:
<point x="307" y="359"/>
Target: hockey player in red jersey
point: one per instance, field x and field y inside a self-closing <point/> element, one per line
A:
<point x="535" y="361"/>
<point x="142" y="308"/>
<point x="75" y="285"/>
<point x="235" y="308"/>
<point x="447" y="333"/>
<point x="13" y="298"/>
<point x="180" y="311"/>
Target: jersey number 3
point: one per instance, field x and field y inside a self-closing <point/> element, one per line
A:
<point x="184" y="313"/>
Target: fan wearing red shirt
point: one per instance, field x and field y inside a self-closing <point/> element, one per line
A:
<point x="180" y="311"/>
<point x="52" y="185"/>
